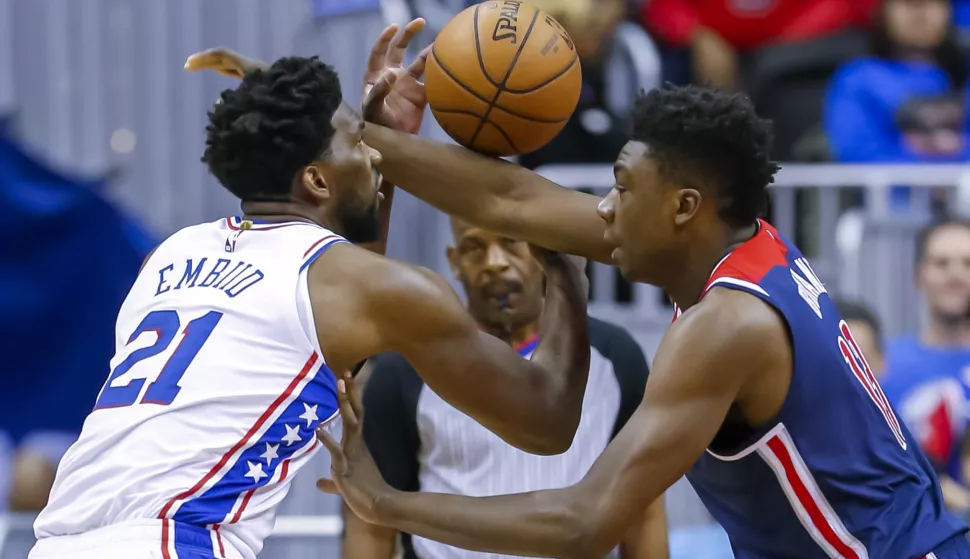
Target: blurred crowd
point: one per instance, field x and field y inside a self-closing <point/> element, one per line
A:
<point x="855" y="81"/>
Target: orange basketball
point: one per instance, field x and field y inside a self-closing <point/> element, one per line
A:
<point x="503" y="78"/>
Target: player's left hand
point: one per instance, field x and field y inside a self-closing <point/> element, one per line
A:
<point x="353" y="472"/>
<point x="225" y="61"/>
<point x="396" y="101"/>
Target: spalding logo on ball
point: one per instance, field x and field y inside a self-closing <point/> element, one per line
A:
<point x="503" y="78"/>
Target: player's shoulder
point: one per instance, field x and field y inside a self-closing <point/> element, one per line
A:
<point x="733" y="320"/>
<point x="385" y="278"/>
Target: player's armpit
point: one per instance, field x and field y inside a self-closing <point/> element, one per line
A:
<point x="707" y="359"/>
<point x="492" y="193"/>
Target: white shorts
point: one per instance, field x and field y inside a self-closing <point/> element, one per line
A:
<point x="150" y="539"/>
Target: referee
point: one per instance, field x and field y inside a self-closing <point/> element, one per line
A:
<point x="420" y="442"/>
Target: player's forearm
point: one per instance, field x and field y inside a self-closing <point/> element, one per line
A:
<point x="538" y="524"/>
<point x="366" y="541"/>
<point x="563" y="350"/>
<point x="432" y="171"/>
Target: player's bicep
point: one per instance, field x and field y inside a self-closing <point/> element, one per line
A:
<point x="554" y="217"/>
<point x="425" y="322"/>
<point x="704" y="362"/>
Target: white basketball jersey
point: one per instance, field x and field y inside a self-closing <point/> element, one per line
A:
<point x="215" y="390"/>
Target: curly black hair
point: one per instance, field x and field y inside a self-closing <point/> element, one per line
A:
<point x="703" y="136"/>
<point x="276" y="122"/>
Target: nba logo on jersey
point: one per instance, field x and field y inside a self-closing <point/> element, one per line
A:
<point x="216" y="389"/>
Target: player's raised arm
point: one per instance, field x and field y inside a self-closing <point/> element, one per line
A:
<point x="688" y="395"/>
<point x="391" y="306"/>
<point x="492" y="193"/>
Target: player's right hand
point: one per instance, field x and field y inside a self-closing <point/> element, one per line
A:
<point x="353" y="473"/>
<point x="225" y="61"/>
<point x="394" y="95"/>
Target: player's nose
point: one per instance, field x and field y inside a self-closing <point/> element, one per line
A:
<point x="606" y="207"/>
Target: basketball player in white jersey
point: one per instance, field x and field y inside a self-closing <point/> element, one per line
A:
<point x="227" y="341"/>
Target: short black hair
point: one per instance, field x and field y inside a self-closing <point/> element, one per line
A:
<point x="858" y="312"/>
<point x="924" y="234"/>
<point x="700" y="133"/>
<point x="276" y="122"/>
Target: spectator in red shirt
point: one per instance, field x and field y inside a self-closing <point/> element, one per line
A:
<point x="715" y="31"/>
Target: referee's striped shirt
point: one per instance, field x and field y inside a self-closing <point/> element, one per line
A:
<point x="420" y="442"/>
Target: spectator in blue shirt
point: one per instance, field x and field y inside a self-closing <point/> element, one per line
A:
<point x="907" y="101"/>
<point x="927" y="376"/>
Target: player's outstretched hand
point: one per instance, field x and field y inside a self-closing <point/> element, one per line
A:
<point x="225" y="61"/>
<point x="353" y="472"/>
<point x="396" y="102"/>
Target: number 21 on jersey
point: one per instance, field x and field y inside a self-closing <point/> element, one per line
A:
<point x="860" y="368"/>
<point x="165" y="325"/>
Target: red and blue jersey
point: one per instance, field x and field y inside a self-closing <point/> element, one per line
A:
<point x="835" y="473"/>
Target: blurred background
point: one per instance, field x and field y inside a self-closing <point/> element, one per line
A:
<point x="101" y="132"/>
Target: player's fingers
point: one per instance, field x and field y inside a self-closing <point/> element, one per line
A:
<point x="204" y="60"/>
<point x="399" y="46"/>
<point x="328" y="441"/>
<point x="211" y="59"/>
<point x="375" y="61"/>
<point x="416" y="69"/>
<point x="327" y="485"/>
<point x="374" y="99"/>
<point x="351" y="422"/>
<point x="353" y="393"/>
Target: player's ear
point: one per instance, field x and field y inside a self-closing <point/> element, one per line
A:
<point x="688" y="203"/>
<point x="313" y="180"/>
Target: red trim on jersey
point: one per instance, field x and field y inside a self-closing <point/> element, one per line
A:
<point x="526" y="342"/>
<point x="242" y="442"/>
<point x="242" y="506"/>
<point x="808" y="503"/>
<point x="753" y="259"/>
<point x="316" y="244"/>
<point x="165" y="553"/>
<point x="222" y="549"/>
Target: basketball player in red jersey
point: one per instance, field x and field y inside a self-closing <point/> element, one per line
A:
<point x="758" y="394"/>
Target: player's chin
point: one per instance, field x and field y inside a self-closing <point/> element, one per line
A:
<point x="630" y="269"/>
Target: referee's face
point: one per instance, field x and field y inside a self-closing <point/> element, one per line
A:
<point x="502" y="280"/>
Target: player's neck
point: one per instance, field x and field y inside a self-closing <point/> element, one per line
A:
<point x="279" y="211"/>
<point x="697" y="263"/>
<point x="943" y="331"/>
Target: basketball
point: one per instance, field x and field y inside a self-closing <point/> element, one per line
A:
<point x="503" y="78"/>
